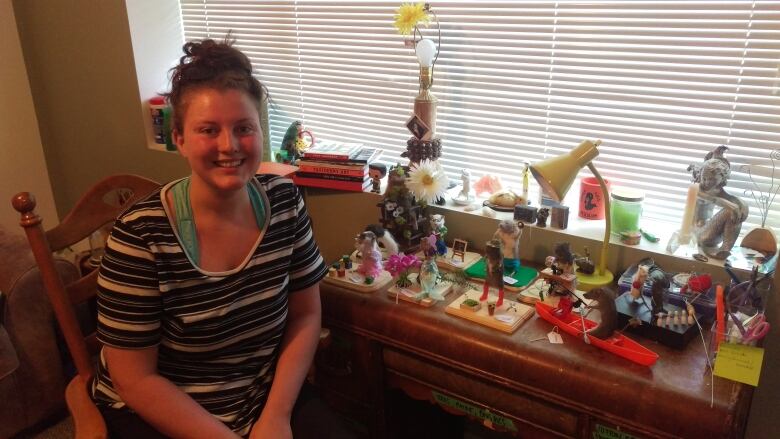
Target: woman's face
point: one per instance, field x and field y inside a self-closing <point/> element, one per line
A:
<point x="221" y="138"/>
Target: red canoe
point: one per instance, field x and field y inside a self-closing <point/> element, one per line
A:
<point x="618" y="344"/>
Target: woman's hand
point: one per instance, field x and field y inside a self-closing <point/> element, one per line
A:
<point x="271" y="426"/>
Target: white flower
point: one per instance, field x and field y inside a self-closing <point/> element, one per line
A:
<point x="427" y="181"/>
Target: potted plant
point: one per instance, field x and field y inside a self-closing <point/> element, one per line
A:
<point x="400" y="266"/>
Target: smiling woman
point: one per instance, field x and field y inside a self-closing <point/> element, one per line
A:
<point x="200" y="314"/>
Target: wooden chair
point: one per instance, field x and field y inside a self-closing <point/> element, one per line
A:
<point x="99" y="206"/>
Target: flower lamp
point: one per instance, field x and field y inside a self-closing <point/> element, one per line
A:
<point x="555" y="176"/>
<point x="424" y="144"/>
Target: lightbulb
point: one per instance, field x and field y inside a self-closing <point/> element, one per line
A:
<point x="426" y="52"/>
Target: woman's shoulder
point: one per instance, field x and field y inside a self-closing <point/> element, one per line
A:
<point x="276" y="185"/>
<point x="149" y="206"/>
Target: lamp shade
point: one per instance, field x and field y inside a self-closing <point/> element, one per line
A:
<point x="556" y="174"/>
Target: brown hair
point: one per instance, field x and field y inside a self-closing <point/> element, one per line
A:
<point x="211" y="64"/>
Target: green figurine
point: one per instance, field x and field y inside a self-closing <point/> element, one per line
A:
<point x="288" y="151"/>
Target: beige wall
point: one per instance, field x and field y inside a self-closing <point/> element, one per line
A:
<point x="79" y="58"/>
<point x="22" y="164"/>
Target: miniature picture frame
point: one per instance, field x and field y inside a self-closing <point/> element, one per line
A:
<point x="459" y="249"/>
<point x="560" y="217"/>
<point x="418" y="128"/>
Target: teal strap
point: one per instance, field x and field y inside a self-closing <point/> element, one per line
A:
<point x="257" y="205"/>
<point x="185" y="223"/>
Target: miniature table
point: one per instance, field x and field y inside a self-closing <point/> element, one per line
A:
<point x="520" y="382"/>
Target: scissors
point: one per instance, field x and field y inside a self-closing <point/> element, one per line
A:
<point x="755" y="329"/>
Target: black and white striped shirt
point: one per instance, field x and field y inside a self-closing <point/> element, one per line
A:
<point x="218" y="333"/>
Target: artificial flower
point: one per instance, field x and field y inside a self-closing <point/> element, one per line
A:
<point x="409" y="15"/>
<point x="427" y="181"/>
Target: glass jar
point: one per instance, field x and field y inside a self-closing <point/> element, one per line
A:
<point x="626" y="209"/>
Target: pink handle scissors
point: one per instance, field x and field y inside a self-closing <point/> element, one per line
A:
<point x="756" y="329"/>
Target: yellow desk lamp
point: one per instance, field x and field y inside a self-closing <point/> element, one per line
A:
<point x="555" y="176"/>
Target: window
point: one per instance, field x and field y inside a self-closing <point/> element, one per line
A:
<point x="660" y="82"/>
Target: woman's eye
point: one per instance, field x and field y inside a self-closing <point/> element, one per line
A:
<point x="207" y="130"/>
<point x="245" y="129"/>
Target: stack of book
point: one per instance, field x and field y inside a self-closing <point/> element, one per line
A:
<point x="332" y="165"/>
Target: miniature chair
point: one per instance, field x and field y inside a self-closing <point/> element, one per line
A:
<point x="99" y="206"/>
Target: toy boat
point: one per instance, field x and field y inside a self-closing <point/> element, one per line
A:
<point x="617" y="344"/>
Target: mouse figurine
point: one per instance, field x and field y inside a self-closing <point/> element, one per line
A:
<point x="605" y="303"/>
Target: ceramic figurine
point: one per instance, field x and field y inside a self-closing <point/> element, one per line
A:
<point x="605" y="303"/>
<point x="384" y="239"/>
<point x="509" y="233"/>
<point x="439" y="230"/>
<point x="494" y="271"/>
<point x="659" y="284"/>
<point x="371" y="260"/>
<point x="562" y="264"/>
<point x="541" y="217"/>
<point x="716" y="233"/>
<point x="465" y="196"/>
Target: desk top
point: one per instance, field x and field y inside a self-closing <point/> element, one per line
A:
<point x="671" y="398"/>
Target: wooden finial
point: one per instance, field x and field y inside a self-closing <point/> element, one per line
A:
<point x="24" y="203"/>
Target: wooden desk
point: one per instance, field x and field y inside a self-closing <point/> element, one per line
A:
<point x="532" y="387"/>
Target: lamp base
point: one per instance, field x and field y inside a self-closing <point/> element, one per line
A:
<point x="418" y="150"/>
<point x="586" y="282"/>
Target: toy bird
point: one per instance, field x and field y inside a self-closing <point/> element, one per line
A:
<point x="289" y="143"/>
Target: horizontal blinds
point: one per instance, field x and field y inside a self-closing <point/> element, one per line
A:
<point x="660" y="82"/>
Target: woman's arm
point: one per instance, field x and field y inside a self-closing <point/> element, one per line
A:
<point x="297" y="351"/>
<point x="157" y="400"/>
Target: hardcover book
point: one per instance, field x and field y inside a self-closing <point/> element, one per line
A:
<point x="353" y="186"/>
<point x="328" y="150"/>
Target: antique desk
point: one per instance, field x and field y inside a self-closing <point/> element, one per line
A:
<point x="511" y="383"/>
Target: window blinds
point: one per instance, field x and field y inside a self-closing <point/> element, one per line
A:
<point x="660" y="82"/>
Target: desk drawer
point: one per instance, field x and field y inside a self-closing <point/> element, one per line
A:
<point x="344" y="367"/>
<point x="535" y="417"/>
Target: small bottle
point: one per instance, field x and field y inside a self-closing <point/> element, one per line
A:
<point x="157" y="108"/>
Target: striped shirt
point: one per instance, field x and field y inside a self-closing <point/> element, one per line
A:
<point x="218" y="333"/>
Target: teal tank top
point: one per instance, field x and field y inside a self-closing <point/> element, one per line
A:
<point x="185" y="223"/>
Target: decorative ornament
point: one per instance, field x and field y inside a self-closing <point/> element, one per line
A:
<point x="427" y="181"/>
<point x="409" y="16"/>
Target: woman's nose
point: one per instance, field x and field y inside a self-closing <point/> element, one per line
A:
<point x="228" y="142"/>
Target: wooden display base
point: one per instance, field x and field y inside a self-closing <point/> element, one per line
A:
<point x="356" y="281"/>
<point x="407" y="294"/>
<point x="539" y="290"/>
<point x="515" y="313"/>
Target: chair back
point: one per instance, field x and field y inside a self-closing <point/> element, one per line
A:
<point x="100" y="206"/>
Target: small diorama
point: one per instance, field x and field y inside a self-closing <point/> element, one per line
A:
<point x="560" y="274"/>
<point x="599" y="334"/>
<point x="400" y="214"/>
<point x="506" y="244"/>
<point x="366" y="275"/>
<point x="652" y="316"/>
<point x="415" y="280"/>
<point x="505" y="317"/>
<point x="458" y="257"/>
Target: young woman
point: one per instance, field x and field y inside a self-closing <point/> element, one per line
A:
<point x="209" y="307"/>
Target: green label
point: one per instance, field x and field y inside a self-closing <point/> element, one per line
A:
<point x="474" y="411"/>
<point x="602" y="432"/>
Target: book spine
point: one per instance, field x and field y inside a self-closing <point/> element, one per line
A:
<point x="359" y="178"/>
<point x="326" y="156"/>
<point x="353" y="186"/>
<point x="319" y="169"/>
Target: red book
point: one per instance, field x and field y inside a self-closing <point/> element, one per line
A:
<point x="324" y="168"/>
<point x="353" y="186"/>
<point x="325" y="150"/>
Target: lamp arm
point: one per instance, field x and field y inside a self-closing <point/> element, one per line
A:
<point x="605" y="194"/>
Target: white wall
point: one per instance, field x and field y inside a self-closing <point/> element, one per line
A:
<point x="22" y="164"/>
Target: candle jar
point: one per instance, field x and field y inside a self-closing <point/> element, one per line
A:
<point x="626" y="209"/>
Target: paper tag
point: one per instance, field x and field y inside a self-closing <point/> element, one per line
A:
<point x="356" y="278"/>
<point x="554" y="336"/>
<point x="510" y="280"/>
<point x="456" y="263"/>
<point x="505" y="318"/>
<point x="739" y="362"/>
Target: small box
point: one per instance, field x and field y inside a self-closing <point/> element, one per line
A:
<point x="560" y="217"/>
<point x="526" y="214"/>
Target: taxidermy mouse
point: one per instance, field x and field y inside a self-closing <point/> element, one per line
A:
<point x="605" y="303"/>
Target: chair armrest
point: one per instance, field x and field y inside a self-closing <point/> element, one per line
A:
<point x="88" y="423"/>
<point x="9" y="361"/>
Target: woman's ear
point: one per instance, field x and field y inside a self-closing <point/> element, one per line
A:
<point x="178" y="140"/>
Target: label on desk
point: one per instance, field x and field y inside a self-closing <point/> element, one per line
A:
<point x="475" y="412"/>
<point x="739" y="362"/>
<point x="603" y="432"/>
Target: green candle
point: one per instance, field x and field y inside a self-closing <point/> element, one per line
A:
<point x="626" y="209"/>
